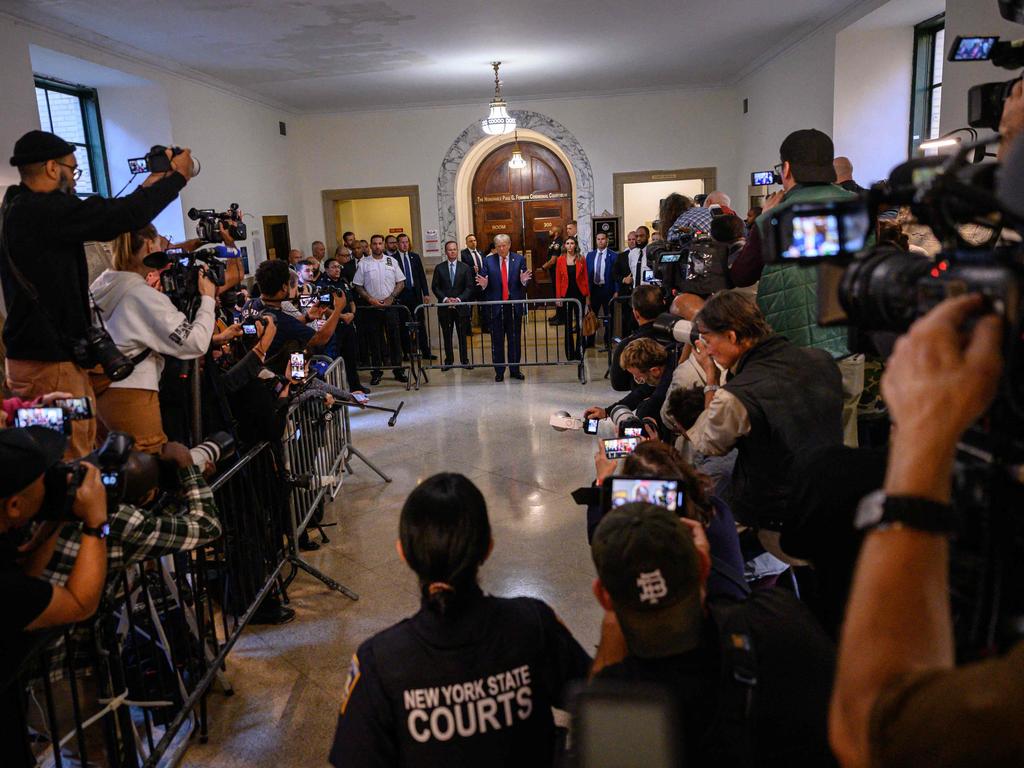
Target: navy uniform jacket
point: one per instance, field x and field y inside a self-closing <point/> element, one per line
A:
<point x="474" y="689"/>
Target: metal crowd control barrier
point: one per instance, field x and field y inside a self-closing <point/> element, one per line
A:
<point x="541" y="344"/>
<point x="365" y="329"/>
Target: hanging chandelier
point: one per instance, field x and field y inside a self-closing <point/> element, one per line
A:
<point x="517" y="162"/>
<point x="498" y="121"/>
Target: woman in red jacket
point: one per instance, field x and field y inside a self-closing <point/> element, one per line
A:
<point x="572" y="261"/>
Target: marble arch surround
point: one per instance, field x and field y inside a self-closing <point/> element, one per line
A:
<point x="455" y="179"/>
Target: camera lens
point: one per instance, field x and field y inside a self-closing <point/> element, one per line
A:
<point x="879" y="292"/>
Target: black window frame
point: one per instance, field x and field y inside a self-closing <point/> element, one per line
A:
<point x="88" y="101"/>
<point x="923" y="87"/>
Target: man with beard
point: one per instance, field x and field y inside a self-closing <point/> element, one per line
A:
<point x="44" y="228"/>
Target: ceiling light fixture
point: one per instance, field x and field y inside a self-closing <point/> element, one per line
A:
<point x="498" y="122"/>
<point x="517" y="162"/>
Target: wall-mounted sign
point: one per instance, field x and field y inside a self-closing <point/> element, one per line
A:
<point x="432" y="241"/>
<point x="521" y="198"/>
<point x="608" y="225"/>
<point x="395" y="230"/>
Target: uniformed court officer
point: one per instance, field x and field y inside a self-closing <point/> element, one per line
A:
<point x="380" y="280"/>
<point x="470" y="679"/>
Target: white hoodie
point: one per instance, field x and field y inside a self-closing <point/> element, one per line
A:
<point x="139" y="317"/>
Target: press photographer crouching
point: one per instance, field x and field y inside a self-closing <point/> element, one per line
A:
<point x="49" y="334"/>
<point x="146" y="325"/>
<point x="651" y="366"/>
<point x="33" y="487"/>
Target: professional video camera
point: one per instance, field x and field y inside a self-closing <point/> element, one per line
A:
<point x="881" y="290"/>
<point x="209" y="221"/>
<point x="179" y="279"/>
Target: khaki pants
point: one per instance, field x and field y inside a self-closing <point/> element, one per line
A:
<point x="32" y="378"/>
<point x="852" y="370"/>
<point x="135" y="411"/>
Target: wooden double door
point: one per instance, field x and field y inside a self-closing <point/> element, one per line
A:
<point x="523" y="204"/>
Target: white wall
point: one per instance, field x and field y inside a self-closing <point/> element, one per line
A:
<point x="244" y="158"/>
<point x="621" y="133"/>
<point x="969" y="18"/>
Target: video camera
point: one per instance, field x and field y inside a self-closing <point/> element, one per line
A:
<point x="208" y="223"/>
<point x="985" y="101"/>
<point x="179" y="280"/>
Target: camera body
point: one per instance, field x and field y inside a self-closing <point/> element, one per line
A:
<point x="97" y="348"/>
<point x="985" y="101"/>
<point x="180" y="280"/>
<point x="208" y="223"/>
<point x="158" y="162"/>
<point x="64" y="478"/>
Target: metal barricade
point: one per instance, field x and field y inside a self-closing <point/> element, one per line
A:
<point x="540" y="343"/>
<point x="367" y="326"/>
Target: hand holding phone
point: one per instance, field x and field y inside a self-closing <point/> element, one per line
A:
<point x="620" y="447"/>
<point x="297" y="363"/>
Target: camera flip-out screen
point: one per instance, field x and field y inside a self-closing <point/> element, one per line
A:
<point x="828" y="231"/>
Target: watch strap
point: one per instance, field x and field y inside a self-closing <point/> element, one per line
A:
<point x="920" y="514"/>
<point x="99" y="532"/>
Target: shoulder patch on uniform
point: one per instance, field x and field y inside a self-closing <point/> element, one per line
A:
<point x="350" y="682"/>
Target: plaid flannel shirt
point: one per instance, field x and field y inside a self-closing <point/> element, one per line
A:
<point x="137" y="535"/>
<point x="689" y="221"/>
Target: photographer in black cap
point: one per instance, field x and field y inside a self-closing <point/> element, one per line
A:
<point x="27" y="487"/>
<point x="751" y="678"/>
<point x="43" y="227"/>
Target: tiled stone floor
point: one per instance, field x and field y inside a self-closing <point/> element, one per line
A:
<point x="288" y="679"/>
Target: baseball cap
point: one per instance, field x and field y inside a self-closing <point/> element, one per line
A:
<point x="647" y="561"/>
<point x="39" y="146"/>
<point x="809" y="153"/>
<point x="25" y="454"/>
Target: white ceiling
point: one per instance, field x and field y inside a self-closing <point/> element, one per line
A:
<point x="327" y="56"/>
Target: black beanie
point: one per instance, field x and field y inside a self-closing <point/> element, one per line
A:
<point x="39" y="146"/>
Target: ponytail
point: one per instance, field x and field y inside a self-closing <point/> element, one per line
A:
<point x="128" y="244"/>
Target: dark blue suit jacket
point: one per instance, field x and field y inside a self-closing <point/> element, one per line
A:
<point x="492" y="271"/>
<point x="609" y="268"/>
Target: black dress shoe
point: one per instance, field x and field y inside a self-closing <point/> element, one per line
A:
<point x="430" y="357"/>
<point x="375" y="378"/>
<point x="464" y="363"/>
<point x="306" y="544"/>
<point x="400" y="376"/>
<point x="518" y="375"/>
<point x="272" y="612"/>
<point x="499" y="377"/>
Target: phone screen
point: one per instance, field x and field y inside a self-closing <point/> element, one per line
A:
<point x="76" y="407"/>
<point x="620" y="447"/>
<point x="249" y="329"/>
<point x="590" y="426"/>
<point x="51" y="418"/>
<point x="633" y="432"/>
<point x="360" y="397"/>
<point x="972" y="48"/>
<point x="762" y="178"/>
<point x="648" y="275"/>
<point x="306" y="301"/>
<point x="327" y="300"/>
<point x="663" y="492"/>
<point x="298" y="365"/>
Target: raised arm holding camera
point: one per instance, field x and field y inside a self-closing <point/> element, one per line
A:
<point x="48" y="332"/>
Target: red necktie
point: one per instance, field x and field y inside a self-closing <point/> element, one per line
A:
<point x="504" y="279"/>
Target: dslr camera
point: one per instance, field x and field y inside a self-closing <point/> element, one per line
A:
<point x="64" y="478"/>
<point x="208" y="223"/>
<point x="158" y="162"/>
<point x="97" y="348"/>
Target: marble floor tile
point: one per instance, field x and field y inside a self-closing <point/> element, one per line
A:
<point x="288" y="679"/>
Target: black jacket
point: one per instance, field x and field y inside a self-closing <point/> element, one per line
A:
<point x="794" y="397"/>
<point x="420" y="287"/>
<point x="463" y="289"/>
<point x="620" y="379"/>
<point x="44" y="235"/>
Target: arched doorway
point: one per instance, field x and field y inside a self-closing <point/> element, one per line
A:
<point x="523" y="204"/>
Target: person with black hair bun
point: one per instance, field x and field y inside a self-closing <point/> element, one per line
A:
<point x="470" y="679"/>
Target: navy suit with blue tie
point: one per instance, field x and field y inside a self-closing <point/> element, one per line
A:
<point x="602" y="282"/>
<point x="506" y="322"/>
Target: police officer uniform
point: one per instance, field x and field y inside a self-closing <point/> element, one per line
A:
<point x="473" y="689"/>
<point x="378" y="277"/>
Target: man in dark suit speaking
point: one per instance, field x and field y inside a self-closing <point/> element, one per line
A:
<point x="452" y="284"/>
<point x="503" y="277"/>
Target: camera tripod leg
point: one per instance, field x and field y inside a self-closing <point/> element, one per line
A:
<point x="320" y="576"/>
<point x="352" y="450"/>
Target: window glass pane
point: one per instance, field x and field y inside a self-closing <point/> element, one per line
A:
<point x="44" y="111"/>
<point x="933" y="131"/>
<point x="940" y="47"/>
<point x="66" y="114"/>
<point x="84" y="185"/>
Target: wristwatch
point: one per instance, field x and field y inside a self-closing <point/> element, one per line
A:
<point x="100" y="532"/>
<point x="880" y="511"/>
<point x="711" y="388"/>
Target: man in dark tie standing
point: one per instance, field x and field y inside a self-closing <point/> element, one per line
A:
<point x="454" y="283"/>
<point x="503" y="277"/>
<point x="472" y="258"/>
<point x="601" y="275"/>
<point x="415" y="293"/>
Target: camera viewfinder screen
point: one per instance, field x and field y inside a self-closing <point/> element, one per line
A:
<point x="814" y="236"/>
<point x="51" y="418"/>
<point x="620" y="447"/>
<point x="590" y="426"/>
<point x="664" y="493"/>
<point x="762" y="178"/>
<point x="138" y="165"/>
<point x="973" y="49"/>
<point x="249" y="329"/>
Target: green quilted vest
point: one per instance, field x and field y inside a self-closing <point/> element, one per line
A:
<point x="788" y="294"/>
